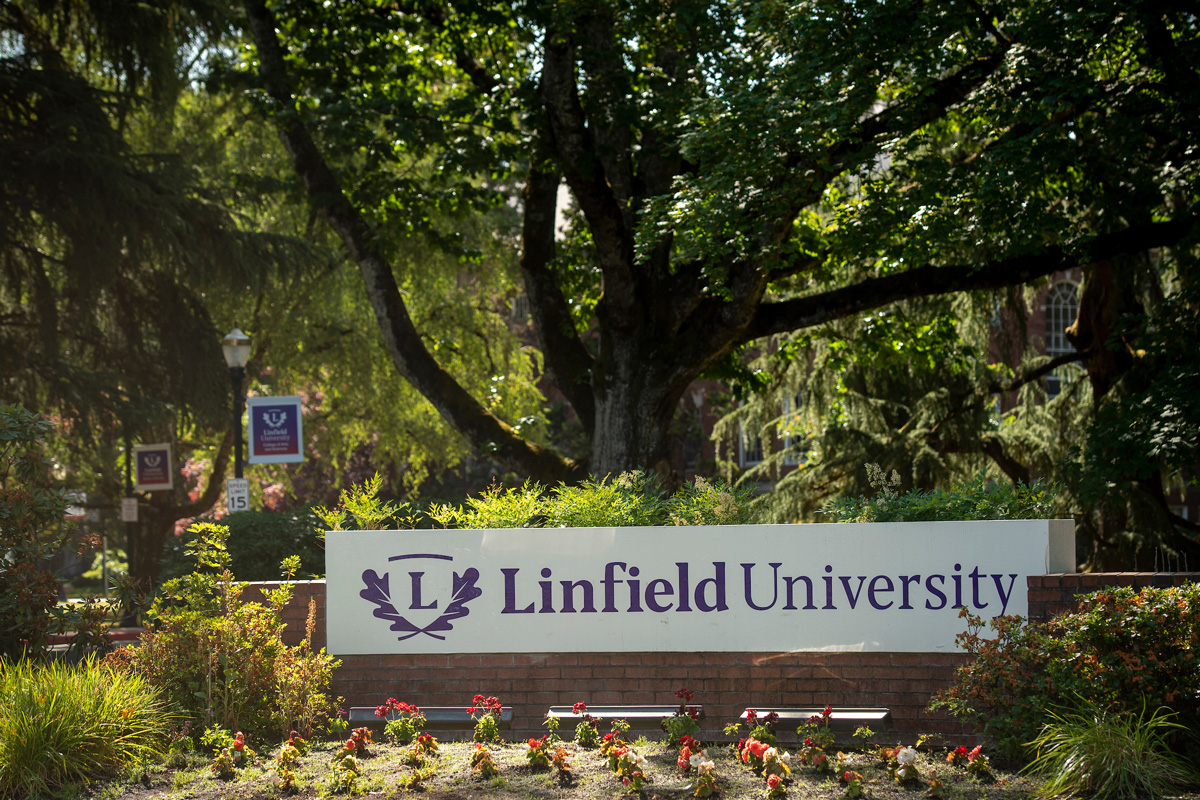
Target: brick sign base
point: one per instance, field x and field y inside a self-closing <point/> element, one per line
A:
<point x="725" y="683"/>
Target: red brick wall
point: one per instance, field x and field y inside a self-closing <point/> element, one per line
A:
<point x="724" y="683"/>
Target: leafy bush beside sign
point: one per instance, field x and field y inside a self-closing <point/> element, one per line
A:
<point x="1122" y="651"/>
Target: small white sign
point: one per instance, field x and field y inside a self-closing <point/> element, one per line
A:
<point x="887" y="587"/>
<point x="237" y="494"/>
<point x="129" y="509"/>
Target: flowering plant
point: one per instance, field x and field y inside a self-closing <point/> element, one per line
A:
<point x="902" y="765"/>
<point x="405" y="722"/>
<point x="561" y="765"/>
<point x="817" y="729"/>
<point x="222" y="765"/>
<point x="359" y="740"/>
<point x="344" y="771"/>
<point x="706" y="778"/>
<point x="486" y="712"/>
<point x="241" y="753"/>
<point x="690" y="753"/>
<point x="338" y="724"/>
<point x="762" y="726"/>
<point x="286" y="762"/>
<point x="297" y="742"/>
<point x="775" y="762"/>
<point x="775" y="786"/>
<point x="426" y="744"/>
<point x="482" y="763"/>
<point x="814" y="755"/>
<point x="751" y="752"/>
<point x="978" y="764"/>
<point x="537" y="755"/>
<point x="586" y="734"/>
<point x="853" y="781"/>
<point x="684" y="721"/>
<point x="610" y="742"/>
<point x="631" y="766"/>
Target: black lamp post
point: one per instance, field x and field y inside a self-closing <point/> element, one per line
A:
<point x="236" y="346"/>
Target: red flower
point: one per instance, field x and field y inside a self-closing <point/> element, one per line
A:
<point x="960" y="750"/>
<point x="773" y="781"/>
<point x="350" y="745"/>
<point x="684" y="694"/>
<point x="828" y="711"/>
<point x="534" y="744"/>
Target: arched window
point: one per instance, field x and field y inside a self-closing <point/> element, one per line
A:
<point x="1062" y="307"/>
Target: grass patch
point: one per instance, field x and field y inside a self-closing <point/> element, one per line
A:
<point x="64" y="725"/>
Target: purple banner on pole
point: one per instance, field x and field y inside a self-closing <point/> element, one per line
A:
<point x="152" y="467"/>
<point x="276" y="429"/>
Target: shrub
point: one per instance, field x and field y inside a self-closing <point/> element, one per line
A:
<point x="221" y="660"/>
<point x="31" y="531"/>
<point x="978" y="498"/>
<point x="1120" y="650"/>
<point x="1109" y="755"/>
<point x="632" y="498"/>
<point x="63" y="725"/>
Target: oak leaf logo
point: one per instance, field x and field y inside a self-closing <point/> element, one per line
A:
<point x="378" y="591"/>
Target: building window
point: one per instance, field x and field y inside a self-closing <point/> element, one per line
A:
<point x="750" y="448"/>
<point x="1062" y="307"/>
<point x="793" y="433"/>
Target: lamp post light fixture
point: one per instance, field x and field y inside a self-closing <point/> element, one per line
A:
<point x="236" y="347"/>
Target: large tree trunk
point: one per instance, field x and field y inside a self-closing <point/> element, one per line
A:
<point x="633" y="417"/>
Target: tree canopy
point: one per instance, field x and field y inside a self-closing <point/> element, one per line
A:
<point x="744" y="178"/>
<point x="736" y="171"/>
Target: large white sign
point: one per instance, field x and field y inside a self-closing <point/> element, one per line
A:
<point x="760" y="588"/>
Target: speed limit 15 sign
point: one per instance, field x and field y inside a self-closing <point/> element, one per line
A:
<point x="237" y="494"/>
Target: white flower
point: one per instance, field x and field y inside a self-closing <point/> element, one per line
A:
<point x="697" y="758"/>
<point x="906" y="755"/>
<point x="705" y="767"/>
<point x="770" y="753"/>
<point x="638" y="759"/>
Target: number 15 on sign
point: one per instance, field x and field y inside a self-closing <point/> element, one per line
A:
<point x="237" y="494"/>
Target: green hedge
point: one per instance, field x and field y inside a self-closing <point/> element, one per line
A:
<point x="258" y="542"/>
